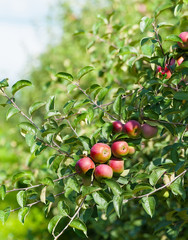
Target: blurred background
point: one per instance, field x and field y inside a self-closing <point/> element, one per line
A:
<point x="41" y="38"/>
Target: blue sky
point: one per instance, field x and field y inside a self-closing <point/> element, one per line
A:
<point x="23" y="35"/>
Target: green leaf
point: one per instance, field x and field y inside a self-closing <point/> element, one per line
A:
<point x="17" y="176"/>
<point x="177" y="188"/>
<point x="80" y="225"/>
<point x="47" y="181"/>
<point x="53" y="223"/>
<point x="68" y="106"/>
<point x="115" y="187"/>
<point x="164" y="24"/>
<point x="127" y="50"/>
<point x="4" y="214"/>
<point x="156" y="175"/>
<point x="87" y="190"/>
<point x="118" y="201"/>
<point x="73" y="184"/>
<point x="162" y="8"/>
<point x="11" y="112"/>
<point x="145" y="23"/>
<point x="21" y="198"/>
<point x="52" y="113"/>
<point x="101" y="198"/>
<point x="183" y="95"/>
<point x="50" y="105"/>
<point x="173" y="38"/>
<point x="90" y="115"/>
<point x="178" y="8"/>
<point x="65" y="76"/>
<point x="148" y="204"/>
<point x="117" y="105"/>
<point x="86" y="142"/>
<point x="2" y="192"/>
<point x="107" y="130"/>
<point x="84" y="71"/>
<point x="141" y="187"/>
<point x="23" y="213"/>
<point x="35" y="106"/>
<point x="102" y="94"/>
<point x="43" y="195"/>
<point x="19" y="85"/>
<point x="147" y="49"/>
<point x="49" y="131"/>
<point x="4" y="83"/>
<point x="28" y="127"/>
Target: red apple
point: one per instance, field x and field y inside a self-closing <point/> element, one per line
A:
<point x="159" y="68"/>
<point x="132" y="128"/>
<point x="103" y="171"/>
<point x="132" y="150"/>
<point x="148" y="131"/>
<point x="100" y="153"/>
<point x="116" y="165"/>
<point x="117" y="126"/>
<point x="184" y="38"/>
<point x="83" y="165"/>
<point x="180" y="60"/>
<point x="120" y="149"/>
<point x="167" y="72"/>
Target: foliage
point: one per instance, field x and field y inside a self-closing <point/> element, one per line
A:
<point x="117" y="80"/>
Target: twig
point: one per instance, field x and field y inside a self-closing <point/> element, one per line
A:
<point x="158" y="189"/>
<point x="158" y="40"/>
<point x="72" y="128"/>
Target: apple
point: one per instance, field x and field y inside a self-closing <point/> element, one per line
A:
<point x="103" y="171"/>
<point x="132" y="128"/>
<point x="120" y="149"/>
<point x="180" y="60"/>
<point x="84" y="165"/>
<point x="132" y="150"/>
<point x="117" y="126"/>
<point x="117" y="165"/>
<point x="100" y="153"/>
<point x="167" y="72"/>
<point x="149" y="131"/>
<point x="184" y="38"/>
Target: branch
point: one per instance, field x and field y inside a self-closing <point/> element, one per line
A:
<point x="38" y="185"/>
<point x="158" y="189"/>
<point x="163" y="121"/>
<point x="72" y="128"/>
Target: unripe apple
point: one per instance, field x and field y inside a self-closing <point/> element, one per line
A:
<point x="103" y="171"/>
<point x="149" y="131"/>
<point x="117" y="165"/>
<point x="117" y="126"/>
<point x="120" y="149"/>
<point x="184" y="38"/>
<point x="132" y="128"/>
<point x="132" y="150"/>
<point x="83" y="165"/>
<point x="180" y="60"/>
<point x="100" y="153"/>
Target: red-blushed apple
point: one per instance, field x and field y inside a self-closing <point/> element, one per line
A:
<point x="117" y="165"/>
<point x="180" y="60"/>
<point x="120" y="149"/>
<point x="117" y="127"/>
<point x="100" y="153"/>
<point x="184" y="38"/>
<point x="103" y="171"/>
<point x="83" y="165"/>
<point x="132" y="150"/>
<point x="149" y="131"/>
<point x="132" y="128"/>
<point x="167" y="72"/>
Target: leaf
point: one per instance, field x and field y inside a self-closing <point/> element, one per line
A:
<point x="102" y="94"/>
<point x="4" y="214"/>
<point x="52" y="113"/>
<point x="47" y="181"/>
<point x="101" y="198"/>
<point x="141" y="187"/>
<point x="148" y="204"/>
<point x="90" y="115"/>
<point x="50" y="105"/>
<point x="87" y="190"/>
<point x="183" y="95"/>
<point x="65" y="76"/>
<point x="53" y="223"/>
<point x="164" y="24"/>
<point x="35" y="106"/>
<point x="28" y="127"/>
<point x="127" y="50"/>
<point x="178" y="8"/>
<point x="117" y="105"/>
<point x="19" y="175"/>
<point x="21" y="198"/>
<point x="80" y="225"/>
<point x="117" y="202"/>
<point x="19" y="85"/>
<point x="145" y="23"/>
<point x="68" y="106"/>
<point x="84" y="71"/>
<point x="43" y="195"/>
<point x="162" y="8"/>
<point x="23" y="213"/>
<point x="147" y="49"/>
<point x="177" y="188"/>
<point x="11" y="112"/>
<point x="173" y="38"/>
<point x="4" y="83"/>
<point x="73" y="184"/>
<point x="156" y="175"/>
<point x="2" y="192"/>
<point x="107" y="130"/>
<point x="86" y="142"/>
<point x="115" y="187"/>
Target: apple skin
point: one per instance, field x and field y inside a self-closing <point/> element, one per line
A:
<point x="132" y="128"/>
<point x="83" y="165"/>
<point x="116" y="165"/>
<point x="164" y="71"/>
<point x="117" y="127"/>
<point x="103" y="171"/>
<point x="132" y="150"/>
<point x="120" y="149"/>
<point x="149" y="131"/>
<point x="100" y="153"/>
<point x="180" y="60"/>
<point x="184" y="38"/>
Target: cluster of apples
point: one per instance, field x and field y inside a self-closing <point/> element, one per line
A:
<point x="107" y="161"/>
<point x="180" y="59"/>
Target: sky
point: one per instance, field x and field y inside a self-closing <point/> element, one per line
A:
<point x="23" y="35"/>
